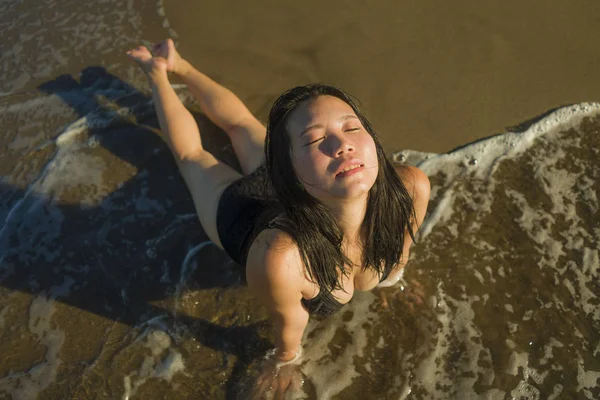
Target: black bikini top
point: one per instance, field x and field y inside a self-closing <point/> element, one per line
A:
<point x="324" y="304"/>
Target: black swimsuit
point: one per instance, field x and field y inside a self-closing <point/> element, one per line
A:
<point x="239" y="211"/>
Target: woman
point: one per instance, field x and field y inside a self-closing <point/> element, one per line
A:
<point x="335" y="216"/>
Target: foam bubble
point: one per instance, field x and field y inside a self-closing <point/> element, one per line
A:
<point x="489" y="153"/>
<point x="470" y="311"/>
<point x="162" y="363"/>
<point x="330" y="378"/>
<point x="28" y="384"/>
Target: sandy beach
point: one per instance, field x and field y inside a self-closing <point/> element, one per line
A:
<point x="109" y="288"/>
<point x="431" y="75"/>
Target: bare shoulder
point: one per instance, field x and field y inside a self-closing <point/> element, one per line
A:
<point x="274" y="261"/>
<point x="415" y="181"/>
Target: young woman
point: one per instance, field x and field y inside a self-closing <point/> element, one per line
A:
<point x="319" y="211"/>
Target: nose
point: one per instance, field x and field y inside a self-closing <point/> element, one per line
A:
<point x="339" y="144"/>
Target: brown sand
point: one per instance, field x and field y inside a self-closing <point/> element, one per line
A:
<point x="430" y="75"/>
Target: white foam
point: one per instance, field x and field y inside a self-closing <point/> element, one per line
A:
<point x="556" y="392"/>
<point x="488" y="153"/>
<point x="453" y="306"/>
<point x="525" y="391"/>
<point x="3" y="311"/>
<point x="188" y="266"/>
<point x="162" y="363"/>
<point x="426" y="368"/>
<point x="62" y="41"/>
<point x="456" y="320"/>
<point x="587" y="380"/>
<point x="28" y="384"/>
<point x="331" y="378"/>
<point x="160" y="10"/>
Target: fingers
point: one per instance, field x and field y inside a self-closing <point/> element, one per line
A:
<point x="417" y="288"/>
<point x="409" y="297"/>
<point x="416" y="292"/>
<point x="264" y="380"/>
<point x="297" y="382"/>
<point x="281" y="390"/>
<point x="277" y="385"/>
<point x="414" y="298"/>
<point x="384" y="300"/>
<point x="261" y="389"/>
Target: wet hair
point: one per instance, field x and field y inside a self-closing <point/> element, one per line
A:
<point x="311" y="224"/>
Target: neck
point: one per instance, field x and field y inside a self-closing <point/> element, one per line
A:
<point x="349" y="215"/>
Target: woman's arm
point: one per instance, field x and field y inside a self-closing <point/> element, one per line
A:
<point x="417" y="184"/>
<point x="274" y="275"/>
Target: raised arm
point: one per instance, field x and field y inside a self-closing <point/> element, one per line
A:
<point x="418" y="187"/>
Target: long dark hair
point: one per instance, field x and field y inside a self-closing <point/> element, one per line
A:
<point x="310" y="223"/>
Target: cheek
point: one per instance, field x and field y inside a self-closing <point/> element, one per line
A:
<point x="303" y="165"/>
<point x="371" y="158"/>
<point x="371" y="151"/>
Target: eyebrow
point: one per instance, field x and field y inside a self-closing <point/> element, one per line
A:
<point x="343" y="118"/>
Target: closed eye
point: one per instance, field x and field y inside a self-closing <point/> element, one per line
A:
<point x="323" y="137"/>
<point x="315" y="141"/>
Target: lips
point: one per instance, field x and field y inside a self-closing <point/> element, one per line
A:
<point x="349" y="168"/>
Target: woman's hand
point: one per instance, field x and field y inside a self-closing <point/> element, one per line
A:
<point x="276" y="382"/>
<point x="166" y="49"/>
<point x="401" y="295"/>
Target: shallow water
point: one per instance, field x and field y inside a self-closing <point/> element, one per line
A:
<point x="109" y="288"/>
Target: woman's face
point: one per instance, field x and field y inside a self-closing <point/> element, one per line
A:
<point x="333" y="155"/>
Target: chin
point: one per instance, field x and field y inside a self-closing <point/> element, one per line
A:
<point x="356" y="193"/>
<point x="350" y="189"/>
<point x="339" y="193"/>
<point x="356" y="190"/>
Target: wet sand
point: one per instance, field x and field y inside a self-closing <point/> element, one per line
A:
<point x="431" y="75"/>
<point x="106" y="276"/>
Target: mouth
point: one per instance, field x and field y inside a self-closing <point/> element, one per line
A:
<point x="350" y="170"/>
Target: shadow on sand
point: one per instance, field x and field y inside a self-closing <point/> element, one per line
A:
<point x="122" y="255"/>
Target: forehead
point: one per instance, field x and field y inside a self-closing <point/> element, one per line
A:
<point x="316" y="111"/>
